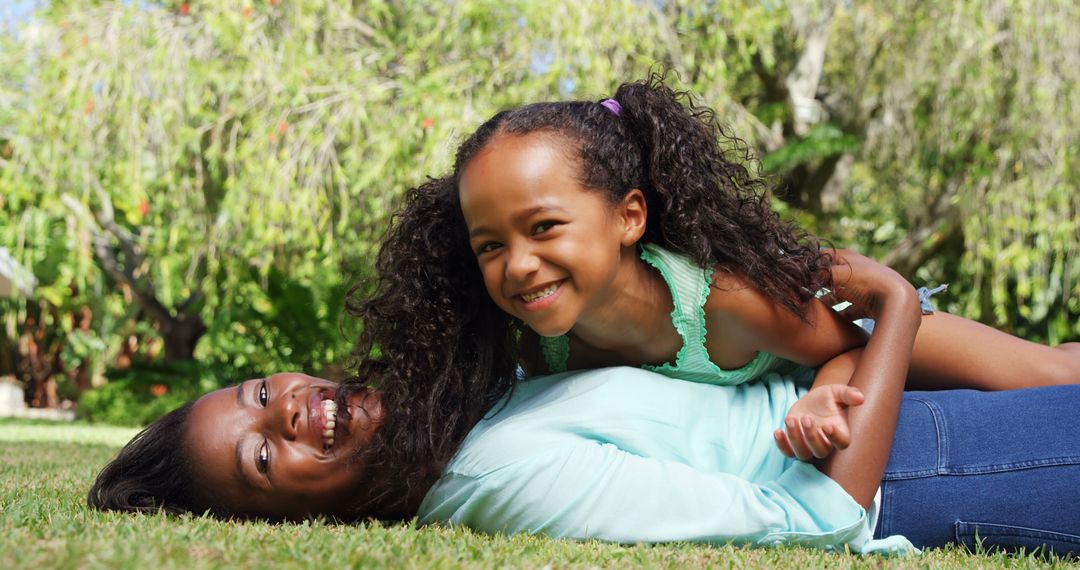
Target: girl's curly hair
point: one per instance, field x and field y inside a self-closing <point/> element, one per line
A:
<point x="439" y="347"/>
<point x="432" y="341"/>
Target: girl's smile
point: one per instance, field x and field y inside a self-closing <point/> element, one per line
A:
<point x="542" y="298"/>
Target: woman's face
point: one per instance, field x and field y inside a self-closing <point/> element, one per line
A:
<point x="549" y="248"/>
<point x="273" y="447"/>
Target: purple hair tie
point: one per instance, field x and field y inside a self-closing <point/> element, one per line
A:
<point x="612" y="105"/>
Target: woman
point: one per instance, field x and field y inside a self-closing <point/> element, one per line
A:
<point x="618" y="454"/>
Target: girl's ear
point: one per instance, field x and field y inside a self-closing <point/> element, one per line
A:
<point x="633" y="214"/>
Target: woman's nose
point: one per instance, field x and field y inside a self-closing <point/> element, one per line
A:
<point x="521" y="263"/>
<point x="287" y="415"/>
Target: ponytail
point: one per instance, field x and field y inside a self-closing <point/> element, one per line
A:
<point x="708" y="203"/>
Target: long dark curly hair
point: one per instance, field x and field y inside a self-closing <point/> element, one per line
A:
<point x="432" y="342"/>
<point x="440" y="349"/>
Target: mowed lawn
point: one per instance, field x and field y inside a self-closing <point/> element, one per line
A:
<point x="45" y="470"/>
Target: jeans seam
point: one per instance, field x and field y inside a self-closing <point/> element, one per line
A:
<point x="970" y="529"/>
<point x="941" y="431"/>
<point x="984" y="470"/>
<point x="942" y="448"/>
<point x="1018" y="466"/>
<point x="943" y="469"/>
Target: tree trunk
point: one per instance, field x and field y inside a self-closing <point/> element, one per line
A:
<point x="181" y="336"/>
<point x="941" y="224"/>
<point x="814" y="25"/>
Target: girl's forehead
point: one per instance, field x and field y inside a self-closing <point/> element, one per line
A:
<point x="519" y="158"/>
<point x="549" y="140"/>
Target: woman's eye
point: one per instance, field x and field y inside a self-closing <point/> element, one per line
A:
<point x="263" y="461"/>
<point x="264" y="394"/>
<point x="543" y="227"/>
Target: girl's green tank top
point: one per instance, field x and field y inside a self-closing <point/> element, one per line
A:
<point x="689" y="285"/>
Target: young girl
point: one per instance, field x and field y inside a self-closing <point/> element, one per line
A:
<point x="621" y="232"/>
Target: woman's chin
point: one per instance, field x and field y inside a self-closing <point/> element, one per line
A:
<point x="360" y="414"/>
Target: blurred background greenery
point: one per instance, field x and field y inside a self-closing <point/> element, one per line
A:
<point x="195" y="185"/>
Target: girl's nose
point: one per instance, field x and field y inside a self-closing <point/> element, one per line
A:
<point x="521" y="263"/>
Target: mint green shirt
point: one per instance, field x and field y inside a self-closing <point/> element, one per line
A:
<point x="626" y="455"/>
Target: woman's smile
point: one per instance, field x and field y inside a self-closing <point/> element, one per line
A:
<point x="322" y="418"/>
<point x="286" y="446"/>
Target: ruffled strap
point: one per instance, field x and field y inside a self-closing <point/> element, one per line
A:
<point x="556" y="351"/>
<point x="689" y="286"/>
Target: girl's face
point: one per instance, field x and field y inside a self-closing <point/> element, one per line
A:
<point x="260" y="448"/>
<point x="549" y="248"/>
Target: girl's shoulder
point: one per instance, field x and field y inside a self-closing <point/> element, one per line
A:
<point x="738" y="308"/>
<point x="732" y="291"/>
<point x="750" y="319"/>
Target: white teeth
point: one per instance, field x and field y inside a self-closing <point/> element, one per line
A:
<point x="330" y="414"/>
<point x="530" y="297"/>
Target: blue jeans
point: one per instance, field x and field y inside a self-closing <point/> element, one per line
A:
<point x="1000" y="468"/>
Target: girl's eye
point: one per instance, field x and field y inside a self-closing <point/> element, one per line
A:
<point x="487" y="247"/>
<point x="264" y="394"/>
<point x="543" y="227"/>
<point x="263" y="461"/>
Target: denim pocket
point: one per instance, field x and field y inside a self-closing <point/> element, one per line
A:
<point x="920" y="445"/>
<point x="1007" y="537"/>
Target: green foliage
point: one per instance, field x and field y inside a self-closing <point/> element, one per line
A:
<point x="822" y="141"/>
<point x="140" y="394"/>
<point x="269" y="323"/>
<point x="46" y="470"/>
<point x="984" y="116"/>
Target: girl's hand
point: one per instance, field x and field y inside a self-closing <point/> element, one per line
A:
<point x="817" y="423"/>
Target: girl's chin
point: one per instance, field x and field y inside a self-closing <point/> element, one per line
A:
<point x="549" y="329"/>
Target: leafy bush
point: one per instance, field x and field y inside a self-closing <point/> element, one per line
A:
<point x="140" y="394"/>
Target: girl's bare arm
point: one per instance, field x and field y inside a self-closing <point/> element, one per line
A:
<point x="747" y="316"/>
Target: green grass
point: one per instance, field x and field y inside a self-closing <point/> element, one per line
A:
<point x="46" y="469"/>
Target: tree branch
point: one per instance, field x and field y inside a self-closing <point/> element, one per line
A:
<point x="103" y="250"/>
<point x="941" y="222"/>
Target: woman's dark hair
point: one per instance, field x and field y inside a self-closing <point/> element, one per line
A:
<point x="440" y="349"/>
<point x="152" y="473"/>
